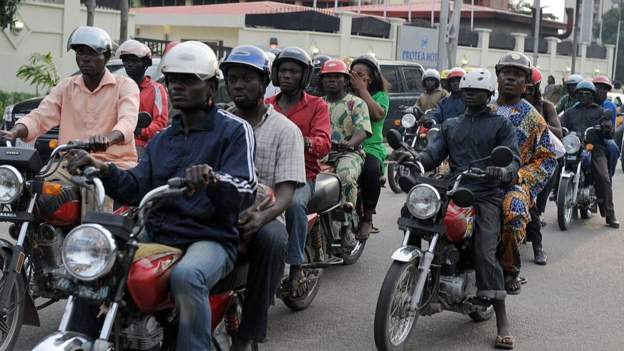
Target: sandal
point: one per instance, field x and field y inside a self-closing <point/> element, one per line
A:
<point x="513" y="285"/>
<point x="504" y="342"/>
<point x="299" y="287"/>
<point x="375" y="230"/>
<point x="364" y="230"/>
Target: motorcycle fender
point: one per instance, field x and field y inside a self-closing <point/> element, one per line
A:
<point x="567" y="175"/>
<point x="62" y="341"/>
<point x="407" y="253"/>
<point x="31" y="316"/>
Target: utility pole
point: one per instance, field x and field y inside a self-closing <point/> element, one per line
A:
<point x="453" y="38"/>
<point x="617" y="41"/>
<point x="443" y="35"/>
<point x="536" y="30"/>
<point x="90" y="12"/>
<point x="123" y="22"/>
<point x="575" y="35"/>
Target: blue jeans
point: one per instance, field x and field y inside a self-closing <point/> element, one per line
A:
<point x="297" y="223"/>
<point x="613" y="154"/>
<point x="203" y="264"/>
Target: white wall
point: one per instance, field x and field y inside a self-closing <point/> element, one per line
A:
<point x="47" y="27"/>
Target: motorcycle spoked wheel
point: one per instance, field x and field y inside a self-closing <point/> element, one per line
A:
<point x="351" y="256"/>
<point x="11" y="321"/>
<point x="396" y="171"/>
<point x="313" y="276"/>
<point x="565" y="207"/>
<point x="393" y="321"/>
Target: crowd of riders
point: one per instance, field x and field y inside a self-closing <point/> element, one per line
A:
<point x="286" y="113"/>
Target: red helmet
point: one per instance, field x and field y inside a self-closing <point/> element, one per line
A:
<point x="536" y="76"/>
<point x="335" y="66"/>
<point x="456" y="72"/>
<point x="603" y="80"/>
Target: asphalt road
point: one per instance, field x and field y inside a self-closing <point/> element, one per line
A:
<point x="573" y="303"/>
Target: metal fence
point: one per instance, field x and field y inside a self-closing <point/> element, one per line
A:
<point x="502" y="41"/>
<point x="542" y="46"/>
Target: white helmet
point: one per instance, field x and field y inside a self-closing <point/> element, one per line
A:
<point x="431" y="73"/>
<point x="478" y="79"/>
<point x="191" y="57"/>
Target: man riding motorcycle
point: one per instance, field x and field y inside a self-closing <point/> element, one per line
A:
<point x="280" y="165"/>
<point x="469" y="137"/>
<point x="214" y="150"/>
<point x="603" y="87"/>
<point x="587" y="114"/>
<point x="94" y="106"/>
<point x="568" y="100"/>
<point x="291" y="72"/>
<point x="350" y="124"/>
<point x="452" y="105"/>
<point x="537" y="160"/>
<point x="137" y="58"/>
<point x="433" y="91"/>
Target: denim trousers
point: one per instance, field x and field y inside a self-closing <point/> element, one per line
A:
<point x="613" y="154"/>
<point x="201" y="267"/>
<point x="297" y="223"/>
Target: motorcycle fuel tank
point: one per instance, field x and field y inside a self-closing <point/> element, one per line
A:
<point x="326" y="193"/>
<point x="459" y="222"/>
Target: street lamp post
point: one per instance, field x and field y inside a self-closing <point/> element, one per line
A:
<point x="617" y="40"/>
<point x="536" y="30"/>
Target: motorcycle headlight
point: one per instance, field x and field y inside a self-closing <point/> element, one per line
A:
<point x="571" y="143"/>
<point x="408" y="120"/>
<point x="423" y="201"/>
<point x="8" y="114"/>
<point x="11" y="183"/>
<point x="89" y="252"/>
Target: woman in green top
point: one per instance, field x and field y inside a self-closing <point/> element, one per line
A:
<point x="368" y="83"/>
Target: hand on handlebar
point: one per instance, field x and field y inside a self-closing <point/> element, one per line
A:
<point x="7" y="135"/>
<point x="80" y="159"/>
<point x="342" y="145"/>
<point x="200" y="176"/>
<point x="99" y="143"/>
<point x="499" y="173"/>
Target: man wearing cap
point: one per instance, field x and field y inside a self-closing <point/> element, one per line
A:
<point x="433" y="91"/>
<point x="568" y="100"/>
<point x="537" y="160"/>
<point x="137" y="58"/>
<point x="603" y="87"/>
<point x="452" y="105"/>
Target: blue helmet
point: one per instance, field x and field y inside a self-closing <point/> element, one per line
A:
<point x="249" y="56"/>
<point x="586" y="85"/>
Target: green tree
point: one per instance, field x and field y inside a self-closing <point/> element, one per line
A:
<point x="41" y="72"/>
<point x="609" y="36"/>
<point x="7" y="11"/>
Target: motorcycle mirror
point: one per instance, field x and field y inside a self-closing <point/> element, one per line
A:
<point x="406" y="183"/>
<point x="501" y="156"/>
<point x="394" y="138"/>
<point x="144" y="120"/>
<point x="565" y="131"/>
<point x="463" y="197"/>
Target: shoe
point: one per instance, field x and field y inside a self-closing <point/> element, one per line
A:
<point x="613" y="223"/>
<point x="540" y="257"/>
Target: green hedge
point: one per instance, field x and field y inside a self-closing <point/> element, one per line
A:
<point x="9" y="98"/>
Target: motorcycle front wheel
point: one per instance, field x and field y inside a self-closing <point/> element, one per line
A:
<point x="393" y="320"/>
<point x="11" y="319"/>
<point x="565" y="208"/>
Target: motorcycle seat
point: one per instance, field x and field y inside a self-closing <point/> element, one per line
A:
<point x="327" y="193"/>
<point x="151" y="249"/>
<point x="236" y="279"/>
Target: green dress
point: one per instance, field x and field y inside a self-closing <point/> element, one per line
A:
<point x="374" y="144"/>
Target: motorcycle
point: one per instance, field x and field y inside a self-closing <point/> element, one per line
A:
<point x="416" y="133"/>
<point x="329" y="221"/>
<point x="129" y="281"/>
<point x="576" y="193"/>
<point x="422" y="282"/>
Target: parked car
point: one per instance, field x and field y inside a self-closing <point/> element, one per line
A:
<point x="405" y="80"/>
<point x="14" y="112"/>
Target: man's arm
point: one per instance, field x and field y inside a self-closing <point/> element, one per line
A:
<point x="436" y="151"/>
<point x="438" y="112"/>
<point x="160" y="113"/>
<point x="361" y="123"/>
<point x="561" y="104"/>
<point x="507" y="137"/>
<point x="127" y="112"/>
<point x="553" y="121"/>
<point x="45" y="117"/>
<point x="318" y="142"/>
<point x="537" y="171"/>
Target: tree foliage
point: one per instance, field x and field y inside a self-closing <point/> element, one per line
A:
<point x="7" y="11"/>
<point x="41" y="72"/>
<point x="609" y="36"/>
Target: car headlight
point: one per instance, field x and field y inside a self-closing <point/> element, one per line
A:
<point x="89" y="252"/>
<point x="11" y="184"/>
<point x="571" y="143"/>
<point x="408" y="120"/>
<point x="423" y="201"/>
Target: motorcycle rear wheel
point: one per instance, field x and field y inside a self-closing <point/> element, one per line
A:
<point x="393" y="321"/>
<point x="393" y="178"/>
<point x="565" y="207"/>
<point x="313" y="275"/>
<point x="353" y="256"/>
<point x="11" y="322"/>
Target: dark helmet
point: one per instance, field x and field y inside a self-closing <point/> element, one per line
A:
<point x="275" y="51"/>
<point x="296" y="55"/>
<point x="514" y="59"/>
<point x="319" y="61"/>
<point x="368" y="60"/>
<point x="93" y="37"/>
<point x="249" y="56"/>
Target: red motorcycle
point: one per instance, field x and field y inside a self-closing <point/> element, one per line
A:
<point x="129" y="282"/>
<point x="422" y="282"/>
